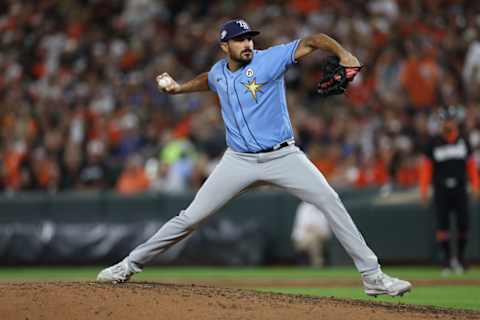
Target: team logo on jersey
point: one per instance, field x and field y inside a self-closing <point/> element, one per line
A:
<point x="450" y="152"/>
<point x="253" y="87"/>
<point x="249" y="72"/>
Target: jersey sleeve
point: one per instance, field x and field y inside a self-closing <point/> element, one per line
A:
<point x="211" y="80"/>
<point x="281" y="57"/>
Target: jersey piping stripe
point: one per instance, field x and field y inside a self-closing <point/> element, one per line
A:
<point x="288" y="117"/>
<point x="233" y="112"/>
<point x="292" y="56"/>
<point x="244" y="119"/>
<point x="293" y="52"/>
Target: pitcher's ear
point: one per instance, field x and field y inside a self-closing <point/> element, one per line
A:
<point x="224" y="47"/>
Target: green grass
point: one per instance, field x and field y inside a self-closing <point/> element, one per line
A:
<point x="152" y="273"/>
<point x="465" y="297"/>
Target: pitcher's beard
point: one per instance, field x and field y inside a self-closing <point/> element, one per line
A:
<point x="243" y="59"/>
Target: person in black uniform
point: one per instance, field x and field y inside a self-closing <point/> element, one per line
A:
<point x="449" y="161"/>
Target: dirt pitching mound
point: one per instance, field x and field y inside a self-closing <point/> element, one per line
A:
<point x="306" y="282"/>
<point x="83" y="300"/>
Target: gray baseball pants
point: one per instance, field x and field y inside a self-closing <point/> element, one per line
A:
<point x="288" y="168"/>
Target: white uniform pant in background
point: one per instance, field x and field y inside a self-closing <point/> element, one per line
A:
<point x="288" y="168"/>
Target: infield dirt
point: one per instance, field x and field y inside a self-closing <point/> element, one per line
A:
<point x="85" y="300"/>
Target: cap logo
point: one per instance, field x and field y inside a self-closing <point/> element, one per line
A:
<point x="243" y="24"/>
<point x="223" y="34"/>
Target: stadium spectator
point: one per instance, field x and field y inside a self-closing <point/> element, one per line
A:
<point x="78" y="91"/>
<point x="133" y="178"/>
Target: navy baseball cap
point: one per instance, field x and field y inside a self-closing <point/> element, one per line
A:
<point x="235" y="28"/>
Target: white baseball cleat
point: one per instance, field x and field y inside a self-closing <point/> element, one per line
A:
<point x="380" y="283"/>
<point x="118" y="273"/>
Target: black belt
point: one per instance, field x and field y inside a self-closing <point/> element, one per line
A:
<point x="276" y="147"/>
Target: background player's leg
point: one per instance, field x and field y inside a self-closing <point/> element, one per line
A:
<point x="299" y="176"/>
<point x="442" y="235"/>
<point x="231" y="175"/>
<point x="462" y="215"/>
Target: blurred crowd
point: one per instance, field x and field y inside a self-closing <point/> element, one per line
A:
<point x="79" y="106"/>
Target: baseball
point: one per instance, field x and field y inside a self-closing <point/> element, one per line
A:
<point x="164" y="81"/>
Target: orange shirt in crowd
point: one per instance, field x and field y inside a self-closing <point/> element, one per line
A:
<point x="12" y="161"/>
<point x="407" y="176"/>
<point x="326" y="167"/>
<point x="419" y="77"/>
<point x="380" y="172"/>
<point x="362" y="180"/>
<point x="182" y="129"/>
<point x="133" y="181"/>
<point x="305" y="6"/>
<point x="359" y="92"/>
<point x="374" y="175"/>
<point x="44" y="171"/>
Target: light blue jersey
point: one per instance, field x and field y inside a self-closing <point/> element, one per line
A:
<point x="253" y="99"/>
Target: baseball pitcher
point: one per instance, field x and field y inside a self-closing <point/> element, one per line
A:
<point x="251" y="87"/>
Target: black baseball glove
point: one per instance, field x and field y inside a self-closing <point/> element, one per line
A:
<point x="335" y="77"/>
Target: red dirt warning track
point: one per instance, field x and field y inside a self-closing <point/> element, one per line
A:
<point x="84" y="300"/>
